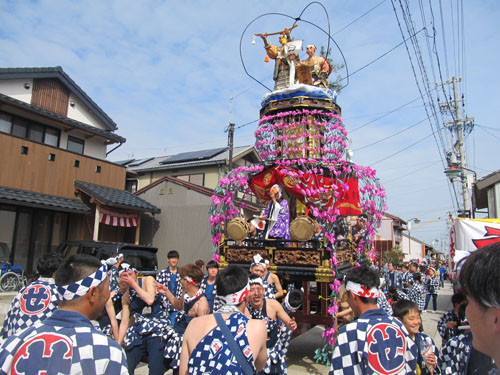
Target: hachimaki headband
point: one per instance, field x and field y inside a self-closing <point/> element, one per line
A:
<point x="80" y="288"/>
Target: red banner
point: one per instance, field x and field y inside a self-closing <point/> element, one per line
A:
<point x="310" y="189"/>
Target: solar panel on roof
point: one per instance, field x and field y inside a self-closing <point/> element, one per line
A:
<point x="139" y="162"/>
<point x="194" y="155"/>
<point x="123" y="162"/>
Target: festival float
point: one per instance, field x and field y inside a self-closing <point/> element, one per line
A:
<point x="306" y="176"/>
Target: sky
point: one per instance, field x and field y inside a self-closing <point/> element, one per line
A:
<point x="170" y="74"/>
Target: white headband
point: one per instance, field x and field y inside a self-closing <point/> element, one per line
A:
<point x="257" y="280"/>
<point x="80" y="288"/>
<point x="125" y="267"/>
<point x="289" y="307"/>
<point x="258" y="261"/>
<point x="237" y="297"/>
<point x="361" y="290"/>
<point x="113" y="260"/>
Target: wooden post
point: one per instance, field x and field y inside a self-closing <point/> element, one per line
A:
<point x="138" y="229"/>
<point x="95" y="236"/>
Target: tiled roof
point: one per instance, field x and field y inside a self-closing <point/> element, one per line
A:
<point x="57" y="72"/>
<point x="64" y="119"/>
<point x="116" y="198"/>
<point x="221" y="158"/>
<point x="39" y="200"/>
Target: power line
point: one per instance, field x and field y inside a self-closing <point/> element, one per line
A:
<point x="378" y="58"/>
<point x="392" y="135"/>
<point x="410" y="173"/>
<point x="357" y="19"/>
<point x="386" y="114"/>
<point x="403" y="149"/>
<point x="487" y="131"/>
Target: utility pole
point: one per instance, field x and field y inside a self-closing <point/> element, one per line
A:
<point x="230" y="134"/>
<point x="230" y="137"/>
<point x="457" y="161"/>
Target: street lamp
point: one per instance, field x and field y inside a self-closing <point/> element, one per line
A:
<point x="416" y="220"/>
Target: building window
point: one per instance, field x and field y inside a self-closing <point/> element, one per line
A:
<point x="131" y="186"/>
<point x="32" y="130"/>
<point x="75" y="145"/>
<point x="24" y="150"/>
<point x="52" y="157"/>
<point x="20" y="127"/>
<point x="98" y="169"/>
<point x="5" y="123"/>
<point x="52" y="137"/>
<point x="76" y="163"/>
<point x="35" y="133"/>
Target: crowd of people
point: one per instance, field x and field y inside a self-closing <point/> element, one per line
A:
<point x="379" y="335"/>
<point x="85" y="316"/>
<point x="146" y="319"/>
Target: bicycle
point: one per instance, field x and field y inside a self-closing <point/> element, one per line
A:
<point x="12" y="277"/>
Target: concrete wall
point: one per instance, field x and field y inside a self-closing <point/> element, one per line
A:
<point x="182" y="225"/>
<point x="15" y="89"/>
<point x="412" y="249"/>
<point x="80" y="112"/>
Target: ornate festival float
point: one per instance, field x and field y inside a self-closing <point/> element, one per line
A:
<point x="321" y="209"/>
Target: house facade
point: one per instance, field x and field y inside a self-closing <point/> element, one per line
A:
<point x="487" y="194"/>
<point x="389" y="235"/>
<point x="203" y="168"/>
<point x="183" y="223"/>
<point x="52" y="135"/>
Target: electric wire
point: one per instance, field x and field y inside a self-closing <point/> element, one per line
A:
<point x="384" y="54"/>
<point x="410" y="173"/>
<point x="403" y="149"/>
<point x="384" y="115"/>
<point x="357" y="19"/>
<point x="430" y="104"/>
<point x="392" y="135"/>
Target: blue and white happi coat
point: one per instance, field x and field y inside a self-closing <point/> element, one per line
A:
<point x="275" y="363"/>
<point x="212" y="355"/>
<point x="164" y="277"/>
<point x="417" y="295"/>
<point x="432" y="285"/>
<point x="154" y="324"/>
<point x="65" y="343"/>
<point x="36" y="301"/>
<point x="447" y="333"/>
<point x="383" y="303"/>
<point x="423" y="340"/>
<point x="455" y="354"/>
<point x="375" y="343"/>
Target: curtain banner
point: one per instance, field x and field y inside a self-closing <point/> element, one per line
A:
<point x="118" y="219"/>
<point x="348" y="202"/>
<point x="471" y="234"/>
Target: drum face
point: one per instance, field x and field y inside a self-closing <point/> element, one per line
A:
<point x="302" y="228"/>
<point x="238" y="229"/>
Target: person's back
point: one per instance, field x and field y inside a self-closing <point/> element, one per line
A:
<point x="67" y="342"/>
<point x="206" y="349"/>
<point x="74" y="346"/>
<point x="206" y="331"/>
<point x="375" y="343"/>
<point x="37" y="300"/>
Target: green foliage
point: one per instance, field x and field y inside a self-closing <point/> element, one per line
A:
<point x="336" y="68"/>
<point x="395" y="255"/>
<point x="324" y="354"/>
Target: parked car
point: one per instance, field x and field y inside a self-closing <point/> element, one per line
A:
<point x="142" y="257"/>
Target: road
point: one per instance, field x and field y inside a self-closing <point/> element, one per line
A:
<point x="301" y="353"/>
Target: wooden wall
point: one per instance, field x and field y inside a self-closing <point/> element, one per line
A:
<point x="34" y="171"/>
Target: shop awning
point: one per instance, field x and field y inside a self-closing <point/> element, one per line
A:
<point x="115" y="198"/>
